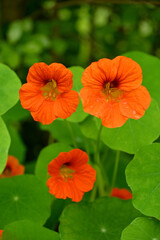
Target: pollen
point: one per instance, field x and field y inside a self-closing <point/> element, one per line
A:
<point x="50" y="90"/>
<point x="66" y="172"/>
<point x="111" y="92"/>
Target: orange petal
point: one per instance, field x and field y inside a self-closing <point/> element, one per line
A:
<point x="39" y="73"/>
<point x="62" y="76"/>
<point x="93" y="101"/>
<point x="129" y="74"/>
<point x="66" y="104"/>
<point x="134" y="103"/>
<point x="1" y="231"/>
<point x="121" y="193"/>
<point x="77" y="157"/>
<point x="98" y="73"/>
<point x="45" y="113"/>
<point x="84" y="178"/>
<point x="31" y="96"/>
<point x="111" y="116"/>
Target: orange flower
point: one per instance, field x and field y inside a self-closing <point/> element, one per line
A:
<point x="47" y="93"/>
<point x="12" y="168"/>
<point x="113" y="92"/>
<point x="71" y="176"/>
<point x="1" y="231"/>
<point x="121" y="193"/>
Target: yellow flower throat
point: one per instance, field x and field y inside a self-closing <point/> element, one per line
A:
<point x="50" y="90"/>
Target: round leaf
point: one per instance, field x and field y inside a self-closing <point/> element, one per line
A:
<point x="4" y="145"/>
<point x="24" y="230"/>
<point x="103" y="219"/>
<point x="46" y="156"/>
<point x="9" y="90"/>
<point x="151" y="71"/>
<point x="79" y="115"/>
<point x="134" y="133"/>
<point x="142" y="229"/>
<point x="143" y="176"/>
<point x="23" y="197"/>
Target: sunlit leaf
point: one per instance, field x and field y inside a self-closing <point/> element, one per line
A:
<point x="142" y="229"/>
<point x="143" y="176"/>
<point x="9" y="88"/>
<point x="4" y="144"/>
<point x="26" y="230"/>
<point x="103" y="219"/>
<point x="23" y="197"/>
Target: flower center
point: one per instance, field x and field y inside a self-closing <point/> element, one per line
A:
<point x="50" y="90"/>
<point x="112" y="92"/>
<point x="66" y="172"/>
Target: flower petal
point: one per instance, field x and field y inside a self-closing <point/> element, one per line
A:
<point x="62" y="76"/>
<point x="129" y="73"/>
<point x="84" y="178"/>
<point x="98" y="73"/>
<point x="31" y="96"/>
<point x="45" y="113"/>
<point x="39" y="73"/>
<point x="92" y="100"/>
<point x="66" y="104"/>
<point x="111" y="116"/>
<point x="134" y="103"/>
<point x="77" y="158"/>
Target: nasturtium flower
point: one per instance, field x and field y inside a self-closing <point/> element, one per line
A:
<point x="12" y="168"/>
<point x="47" y="93"/>
<point x="71" y="176"/>
<point x="1" y="231"/>
<point x="112" y="91"/>
<point x="121" y="193"/>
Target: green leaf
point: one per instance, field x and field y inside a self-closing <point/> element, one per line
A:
<point x="59" y="130"/>
<point x="151" y="71"/>
<point x="143" y="176"/>
<point x="103" y="219"/>
<point x="4" y="145"/>
<point x="134" y="133"/>
<point x="23" y="197"/>
<point x="17" y="147"/>
<point x="89" y="127"/>
<point x="16" y="113"/>
<point x="142" y="229"/>
<point x="79" y="115"/>
<point x="26" y="230"/>
<point x="46" y="156"/>
<point x="9" y="90"/>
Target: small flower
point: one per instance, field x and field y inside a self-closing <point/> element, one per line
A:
<point x="47" y="93"/>
<point x="12" y="168"/>
<point x="71" y="176"/>
<point x="121" y="193"/>
<point x="113" y="92"/>
<point x="1" y="231"/>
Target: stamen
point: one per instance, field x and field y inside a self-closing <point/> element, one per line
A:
<point x="50" y="90"/>
<point x="66" y="172"/>
<point x="111" y="92"/>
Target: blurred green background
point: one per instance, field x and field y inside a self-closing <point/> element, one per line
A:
<point x="72" y="33"/>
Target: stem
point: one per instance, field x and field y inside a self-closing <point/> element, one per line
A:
<point x="98" y="145"/>
<point x="115" y="170"/>
<point x="98" y="158"/>
<point x="71" y="133"/>
<point x="93" y="193"/>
